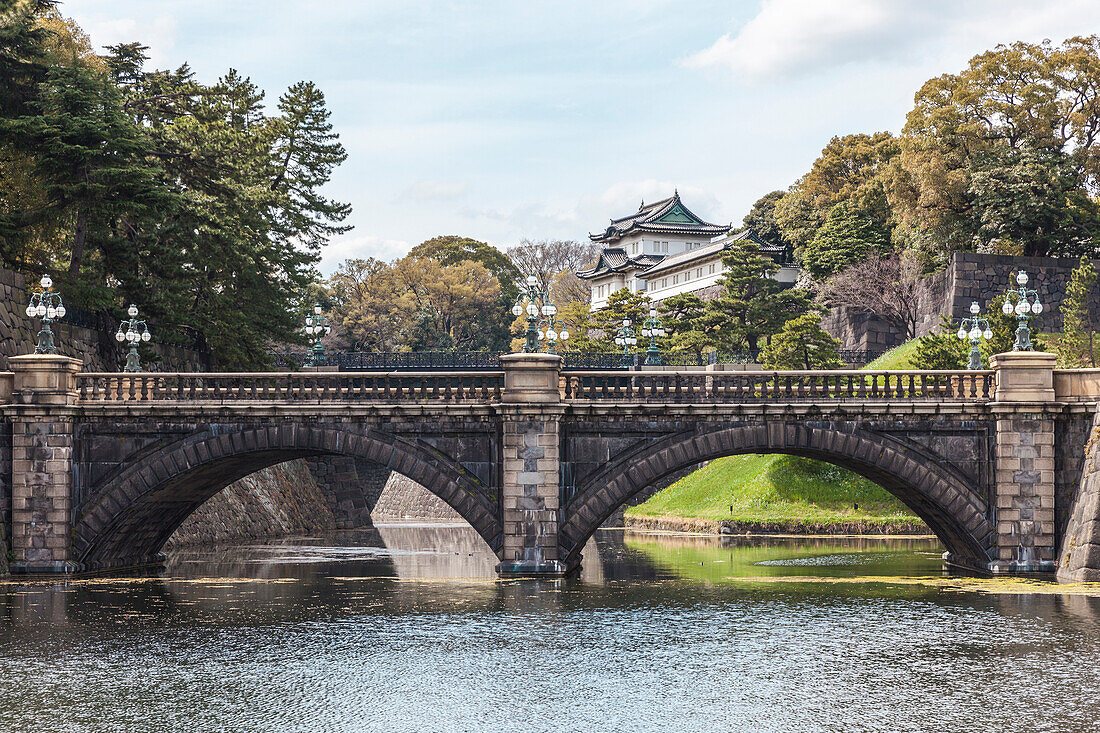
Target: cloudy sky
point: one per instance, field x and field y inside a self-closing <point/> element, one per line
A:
<point x="505" y="120"/>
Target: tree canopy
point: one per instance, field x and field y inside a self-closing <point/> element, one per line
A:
<point x="149" y="186"/>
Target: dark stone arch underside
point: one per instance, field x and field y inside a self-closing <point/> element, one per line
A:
<point x="956" y="513"/>
<point x="130" y="516"/>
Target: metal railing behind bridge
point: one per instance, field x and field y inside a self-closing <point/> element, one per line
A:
<point x="705" y="386"/>
<point x="480" y="386"/>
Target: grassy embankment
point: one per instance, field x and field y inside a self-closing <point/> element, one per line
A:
<point x="783" y="493"/>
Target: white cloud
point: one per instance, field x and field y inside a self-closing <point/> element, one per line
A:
<point x="791" y="38"/>
<point x="158" y="34"/>
<point x="350" y="246"/>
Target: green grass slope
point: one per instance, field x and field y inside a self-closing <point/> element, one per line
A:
<point x="777" y="489"/>
<point x="784" y="490"/>
<point x="898" y="357"/>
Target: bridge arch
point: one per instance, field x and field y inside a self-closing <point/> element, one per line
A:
<point x="938" y="494"/>
<point x="130" y="515"/>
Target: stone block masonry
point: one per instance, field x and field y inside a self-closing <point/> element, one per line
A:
<point x="278" y="501"/>
<point x="531" y="492"/>
<point x="968" y="277"/>
<point x="1079" y="556"/>
<point x="96" y="347"/>
<point x="1025" y="493"/>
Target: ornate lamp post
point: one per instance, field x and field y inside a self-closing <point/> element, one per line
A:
<point x="532" y="294"/>
<point x="1027" y="302"/>
<point x="551" y="335"/>
<point x="974" y="328"/>
<point x="128" y="331"/>
<point x="625" y="337"/>
<point x="651" y="329"/>
<point x="46" y="305"/>
<point x="316" y="328"/>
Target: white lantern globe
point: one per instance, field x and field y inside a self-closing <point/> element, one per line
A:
<point x="1006" y="308"/>
<point x="975" y="333"/>
<point x="46" y="282"/>
<point x="541" y="336"/>
<point x="146" y="336"/>
<point x="962" y="334"/>
<point x="133" y="311"/>
<point x="30" y="311"/>
<point x="120" y="337"/>
<point x="40" y="311"/>
<point x="1021" y="278"/>
<point x="532" y="281"/>
<point x="988" y="334"/>
<point x="619" y="341"/>
<point x="1037" y="308"/>
<point x="517" y="310"/>
<point x="532" y="310"/>
<point x="1023" y="308"/>
<point x="563" y="335"/>
<point x="61" y="311"/>
<point x="975" y="308"/>
<point x="51" y="312"/>
<point x="552" y="335"/>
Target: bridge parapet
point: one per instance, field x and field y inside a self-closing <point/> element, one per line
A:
<point x="844" y="385"/>
<point x="295" y="387"/>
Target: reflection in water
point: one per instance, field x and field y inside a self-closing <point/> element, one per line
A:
<point x="407" y="629"/>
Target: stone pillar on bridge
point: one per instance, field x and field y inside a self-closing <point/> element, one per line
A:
<point x="1025" y="410"/>
<point x="531" y="411"/>
<point x="43" y="399"/>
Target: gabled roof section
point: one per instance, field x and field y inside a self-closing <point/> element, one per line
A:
<point x="615" y="259"/>
<point x="715" y="248"/>
<point x="667" y="216"/>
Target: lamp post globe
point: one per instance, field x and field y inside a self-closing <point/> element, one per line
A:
<point x="653" y="330"/>
<point x="1026" y="304"/>
<point x="47" y="305"/>
<point x="317" y="327"/>
<point x="974" y="328"/>
<point x="134" y="332"/>
<point x="534" y="300"/>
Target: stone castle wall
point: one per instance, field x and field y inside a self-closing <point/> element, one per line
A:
<point x="1079" y="553"/>
<point x="969" y="277"/>
<point x="278" y="501"/>
<point x="91" y="339"/>
<point x="404" y="499"/>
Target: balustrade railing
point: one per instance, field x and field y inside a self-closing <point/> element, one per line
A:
<point x="704" y="386"/>
<point x="488" y="386"/>
<point x="290" y="387"/>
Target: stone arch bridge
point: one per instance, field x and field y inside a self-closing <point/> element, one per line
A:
<point x="98" y="469"/>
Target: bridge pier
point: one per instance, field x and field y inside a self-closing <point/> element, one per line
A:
<point x="531" y="412"/>
<point x="42" y="416"/>
<point x="1025" y="409"/>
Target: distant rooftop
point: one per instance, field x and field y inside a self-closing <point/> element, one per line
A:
<point x="667" y="216"/>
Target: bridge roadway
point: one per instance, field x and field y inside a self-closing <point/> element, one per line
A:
<point x="98" y="469"/>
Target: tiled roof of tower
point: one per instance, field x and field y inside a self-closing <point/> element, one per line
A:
<point x="615" y="259"/>
<point x="668" y="216"/>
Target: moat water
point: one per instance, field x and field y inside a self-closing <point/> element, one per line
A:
<point x="395" y="630"/>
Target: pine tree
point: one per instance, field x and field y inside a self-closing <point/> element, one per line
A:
<point x="847" y="237"/>
<point x="942" y="349"/>
<point x="1077" y="345"/>
<point x="802" y="344"/>
<point x="753" y="306"/>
